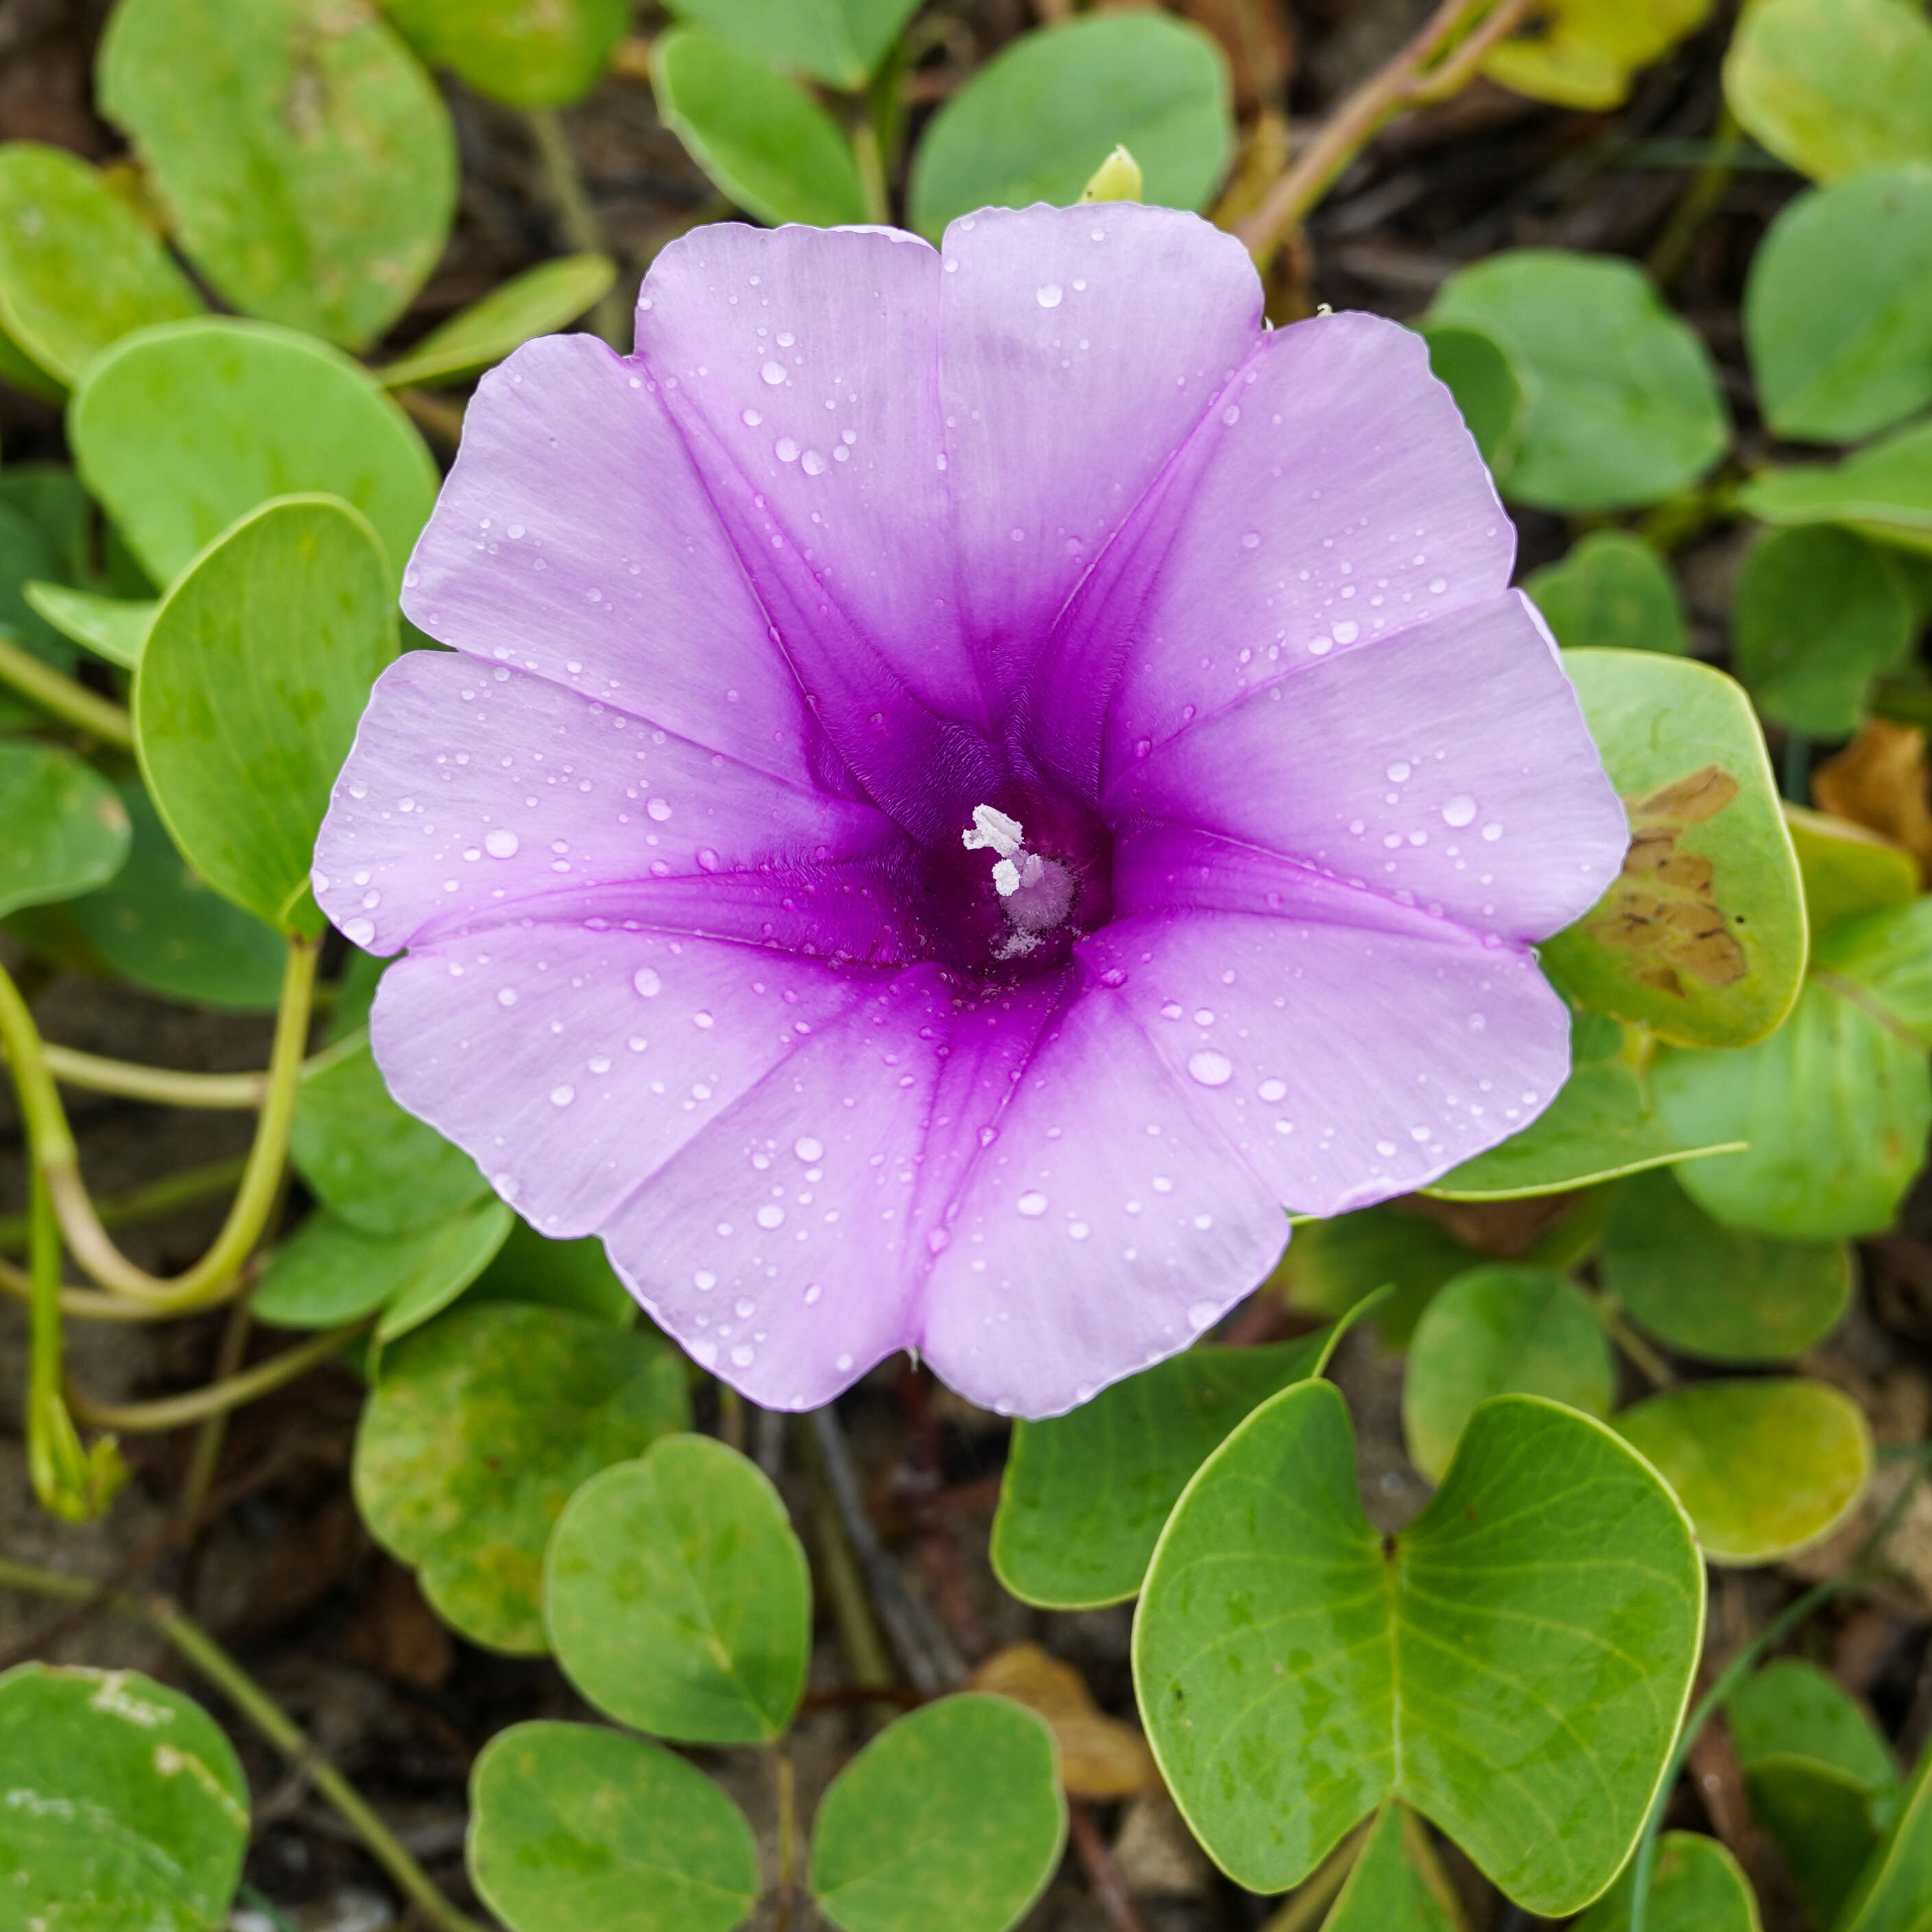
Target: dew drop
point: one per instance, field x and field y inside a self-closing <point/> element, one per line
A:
<point x="1346" y="633"/>
<point x="773" y="373"/>
<point x="1272" y="1090"/>
<point x="812" y="463"/>
<point x="562" y="1097"/>
<point x="785" y="449"/>
<point x="771" y="1215"/>
<point x="1200" y="1313"/>
<point x="1211" y="1069"/>
<point x="1033" y="1205"/>
<point x="1459" y="811"/>
<point x="808" y="1150"/>
<point x="359" y="931"/>
<point x="500" y="844"/>
<point x="1398" y="771"/>
<point x="752" y="419"/>
<point x="1048" y="294"/>
<point x="645" y="980"/>
<point x="1493" y="832"/>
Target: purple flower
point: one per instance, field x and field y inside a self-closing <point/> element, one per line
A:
<point x="970" y="781"/>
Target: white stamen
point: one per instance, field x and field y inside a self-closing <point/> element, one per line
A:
<point x="1006" y="876"/>
<point x="992" y="831"/>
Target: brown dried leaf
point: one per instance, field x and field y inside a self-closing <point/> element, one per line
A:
<point x="1880" y="781"/>
<point x="1099" y="1756"/>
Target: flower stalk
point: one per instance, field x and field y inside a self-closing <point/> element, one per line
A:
<point x="217" y="1398"/>
<point x="65" y="697"/>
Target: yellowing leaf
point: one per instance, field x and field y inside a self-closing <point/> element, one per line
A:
<point x="1099" y="1756"/>
<point x="1584" y="53"/>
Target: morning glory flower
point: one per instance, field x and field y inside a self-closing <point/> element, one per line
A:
<point x="969" y="782"/>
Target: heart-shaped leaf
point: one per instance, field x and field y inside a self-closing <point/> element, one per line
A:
<point x="677" y="1597"/>
<point x="254" y="676"/>
<point x="526" y="56"/>
<point x="841" y="41"/>
<point x="1083" y="1495"/>
<point x="1611" y="592"/>
<point x="1036" y="120"/>
<point x="1499" y="1331"/>
<point x="548" y="297"/>
<point x="477" y="1431"/>
<point x="1763" y="1467"/>
<point x="1884" y="491"/>
<point x="126" y="1810"/>
<point x="1835" y="87"/>
<point x="1481" y="377"/>
<point x="309" y="161"/>
<point x="1394" y="1884"/>
<point x="381" y="1170"/>
<point x="575" y="1828"/>
<point x="1702" y="937"/>
<point x="1585" y="53"/>
<point x="1295" y="1668"/>
<point x="766" y="142"/>
<point x="1714" y="1292"/>
<point x="1620" y="404"/>
<point x="1846" y="869"/>
<point x="1331" y="1266"/>
<point x="1697" y="1886"/>
<point x="79" y="268"/>
<point x="182" y="429"/>
<point x="952" y="1816"/>
<point x="63" y="830"/>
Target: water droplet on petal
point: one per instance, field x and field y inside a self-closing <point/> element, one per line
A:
<point x="1048" y="294"/>
<point x="773" y="373"/>
<point x="645" y="980"/>
<point x="1459" y="811"/>
<point x="359" y="931"/>
<point x="500" y="844"/>
<point x="808" y="1150"/>
<point x="1211" y="1070"/>
<point x="562" y="1097"/>
<point x="1033" y="1205"/>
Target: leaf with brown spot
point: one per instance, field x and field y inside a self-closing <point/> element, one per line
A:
<point x="1879" y="781"/>
<point x="1099" y="1756"/>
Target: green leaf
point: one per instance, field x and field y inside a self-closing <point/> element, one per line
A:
<point x="1481" y="377"/>
<point x="479" y="1428"/>
<point x="1501" y="1330"/>
<point x="541" y="299"/>
<point x="1392" y="1886"/>
<point x="525" y="56"/>
<point x="157" y="924"/>
<point x="1821" y="1820"/>
<point x="575" y="1828"/>
<point x="330" y="1271"/>
<point x="1847" y="869"/>
<point x="1763" y="1467"/>
<point x="1585" y="53"/>
<point x="79" y="268"/>
<point x="63" y="830"/>
<point x="1884" y="491"/>
<point x="841" y="41"/>
<point x="309" y="162"/>
<point x="1893" y="1893"/>
<point x="254" y="676"/>
<point x="1620" y="406"/>
<point x="126" y="1810"/>
<point x="1084" y="1494"/>
<point x="1612" y="591"/>
<point x="382" y="1170"/>
<point x="180" y="430"/>
<point x="1883" y="960"/>
<point x="677" y="1597"/>
<point x="26" y="556"/>
<point x="1835" y="87"/>
<point x="1838" y="307"/>
<point x="1792" y="1709"/>
<point x="952" y="1816"/>
<point x="1045" y="112"/>
<point x="1697" y="1886"/>
<point x="1331" y="1266"/>
<point x="1819" y="614"/>
<point x="49" y="496"/>
<point x="1702" y="937"/>
<point x="113" y="627"/>
<point x="1295" y="1668"/>
<point x="759" y="137"/>
<point x="576" y="1275"/>
<point x="1716" y="1293"/>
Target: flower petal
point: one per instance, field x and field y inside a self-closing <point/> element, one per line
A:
<point x="471" y="793"/>
<point x="1347" y="1063"/>
<point x="1448" y="766"/>
<point x="575" y="539"/>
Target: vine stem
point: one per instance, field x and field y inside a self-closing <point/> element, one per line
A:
<point x="65" y="697"/>
<point x="577" y="215"/>
<point x="215" y="1398"/>
<point x="202" y="1654"/>
<point x="148" y="1202"/>
<point x="1425" y="70"/>
<point x="212" y="1277"/>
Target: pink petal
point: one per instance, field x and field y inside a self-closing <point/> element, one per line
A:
<point x="1448" y="765"/>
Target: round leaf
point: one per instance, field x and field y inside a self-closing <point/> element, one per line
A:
<point x="677" y="1598"/>
<point x="1885" y="491"/>
<point x="576" y="1275"/>
<point x="765" y="142"/>
<point x="158" y="924"/>
<point x="1585" y="53"/>
<point x="1332" y="1265"/>
<point x="253" y="677"/>
<point x="547" y="297"/>
<point x="1084" y="1494"/>
<point x="1484" y="381"/>
<point x="479" y="1428"/>
<point x="1838" y="307"/>
<point x="309" y="161"/>
<point x="180" y="430"/>
<point x="1614" y="591"/>
<point x="1499" y="1331"/>
<point x="1763" y="1467"/>
<point x="1846" y="869"/>
<point x="1702" y="937"/>
<point x="62" y="829"/>
<point x="1835" y="87"/>
<point x="125" y="1809"/>
<point x="576" y="1829"/>
<point x="542" y="56"/>
<point x="1295" y="1668"/>
<point x="952" y="1816"/>
<point x="79" y="268"/>
<point x="842" y="41"/>
<point x="1819" y="612"/>
<point x="1620" y="404"/>
<point x="1792" y="1709"/>
<point x="1714" y="1292"/>
<point x="1821" y="1820"/>
<point x="1043" y="113"/>
<point x="1697" y="1886"/>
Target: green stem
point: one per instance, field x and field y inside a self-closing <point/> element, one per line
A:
<point x="203" y="1654"/>
<point x="62" y="697"/>
<point x="232" y="1093"/>
<point x="871" y="162"/>
<point x="784" y="1792"/>
<point x="1698" y="201"/>
<point x="150" y="1202"/>
<point x="577" y="215"/>
<point x="84" y="1304"/>
<point x="217" y="1398"/>
<point x="214" y="1430"/>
